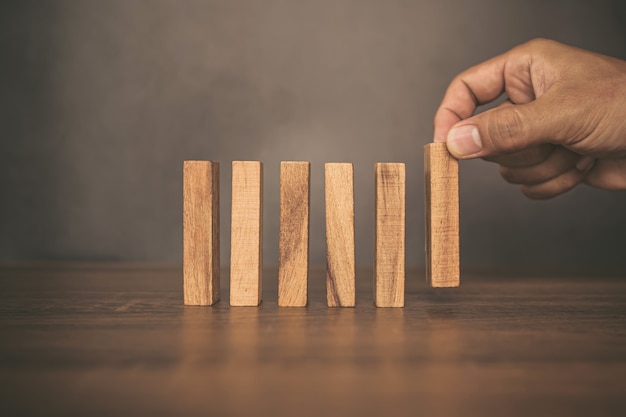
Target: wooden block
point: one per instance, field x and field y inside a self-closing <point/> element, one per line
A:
<point x="390" y="179"/>
<point x="246" y="250"/>
<point x="441" y="174"/>
<point x="340" y="273"/>
<point x="293" y="245"/>
<point x="201" y="232"/>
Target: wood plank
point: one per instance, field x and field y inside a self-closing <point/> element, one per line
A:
<point x="201" y="233"/>
<point x="340" y="272"/>
<point x="246" y="259"/>
<point x="390" y="180"/>
<point x="293" y="244"/>
<point x="441" y="175"/>
<point x="116" y="335"/>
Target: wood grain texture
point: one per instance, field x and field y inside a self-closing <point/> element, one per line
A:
<point x="340" y="273"/>
<point x="114" y="340"/>
<point x="390" y="189"/>
<point x="246" y="259"/>
<point x="201" y="233"/>
<point x="441" y="175"/>
<point x="293" y="244"/>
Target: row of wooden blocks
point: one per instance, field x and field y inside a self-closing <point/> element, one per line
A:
<point x="201" y="224"/>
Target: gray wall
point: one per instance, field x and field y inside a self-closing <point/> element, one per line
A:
<point x="101" y="101"/>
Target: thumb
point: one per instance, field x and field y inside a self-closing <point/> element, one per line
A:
<point x="506" y="129"/>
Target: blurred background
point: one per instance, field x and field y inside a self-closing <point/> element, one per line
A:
<point x="101" y="101"/>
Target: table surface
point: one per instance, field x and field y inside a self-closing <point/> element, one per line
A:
<point x="116" y="340"/>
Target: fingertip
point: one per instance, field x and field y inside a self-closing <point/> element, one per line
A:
<point x="444" y="120"/>
<point x="554" y="187"/>
<point x="464" y="141"/>
<point x="441" y="131"/>
<point x="533" y="194"/>
<point x="585" y="163"/>
<point x="509" y="175"/>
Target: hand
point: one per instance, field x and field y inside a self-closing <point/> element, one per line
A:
<point x="564" y="122"/>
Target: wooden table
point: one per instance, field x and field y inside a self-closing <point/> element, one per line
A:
<point x="104" y="340"/>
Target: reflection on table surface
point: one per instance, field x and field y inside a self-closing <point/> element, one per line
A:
<point x="116" y="340"/>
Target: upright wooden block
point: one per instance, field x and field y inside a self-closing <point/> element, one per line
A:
<point x="293" y="245"/>
<point x="441" y="174"/>
<point x="390" y="179"/>
<point x="246" y="250"/>
<point x="340" y="273"/>
<point x="201" y="233"/>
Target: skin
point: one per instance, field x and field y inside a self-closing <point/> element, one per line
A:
<point x="564" y="122"/>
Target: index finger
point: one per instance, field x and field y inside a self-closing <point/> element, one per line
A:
<point x="477" y="85"/>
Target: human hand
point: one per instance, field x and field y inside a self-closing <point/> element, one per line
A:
<point x="564" y="122"/>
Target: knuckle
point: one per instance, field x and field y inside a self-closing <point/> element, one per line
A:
<point x="538" y="44"/>
<point x="538" y="41"/>
<point x="505" y="130"/>
<point x="457" y="81"/>
<point x="528" y="46"/>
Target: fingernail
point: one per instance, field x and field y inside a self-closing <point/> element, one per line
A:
<point x="464" y="140"/>
<point x="585" y="163"/>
